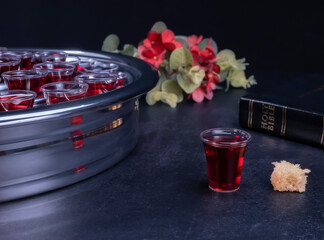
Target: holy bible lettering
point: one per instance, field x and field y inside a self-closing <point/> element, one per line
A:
<point x="268" y="117"/>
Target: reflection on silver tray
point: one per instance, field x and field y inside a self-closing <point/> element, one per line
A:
<point x="48" y="147"/>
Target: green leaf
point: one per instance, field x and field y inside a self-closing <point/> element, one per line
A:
<point x="237" y="79"/>
<point x="182" y="40"/>
<point x="171" y="86"/>
<point x="180" y="57"/>
<point x="110" y="43"/>
<point x="189" y="82"/>
<point x="226" y="55"/>
<point x="223" y="76"/>
<point x="196" y="74"/>
<point x="203" y="44"/>
<point x="129" y="50"/>
<point x="169" y="98"/>
<point x="159" y="27"/>
<point x="153" y="96"/>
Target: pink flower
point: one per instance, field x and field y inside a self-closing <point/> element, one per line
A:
<point x="193" y="40"/>
<point x="206" y="60"/>
<point x="204" y="91"/>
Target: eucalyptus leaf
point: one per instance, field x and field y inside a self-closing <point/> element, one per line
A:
<point x="183" y="40"/>
<point x="186" y="83"/>
<point x="157" y="96"/>
<point x="214" y="45"/>
<point x="196" y="74"/>
<point x="169" y="98"/>
<point x="226" y="55"/>
<point x="159" y="27"/>
<point x="110" y="43"/>
<point x="180" y="57"/>
<point x="223" y="76"/>
<point x="237" y="79"/>
<point x="203" y="44"/>
<point x="153" y="96"/>
<point x="129" y="50"/>
<point x="171" y="86"/>
<point x="150" y="98"/>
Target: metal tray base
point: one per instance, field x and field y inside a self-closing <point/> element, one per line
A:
<point x="49" y="147"/>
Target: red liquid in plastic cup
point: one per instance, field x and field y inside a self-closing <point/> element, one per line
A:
<point x="99" y="67"/>
<point x="16" y="100"/>
<point x="39" y="57"/>
<point x="25" y="80"/>
<point x="98" y="83"/>
<point x="58" y="92"/>
<point x="224" y="149"/>
<point x="56" y="72"/>
<point x="25" y="57"/>
<point x="73" y="60"/>
<point x="8" y="62"/>
<point x="121" y="77"/>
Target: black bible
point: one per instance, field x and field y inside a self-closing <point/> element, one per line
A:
<point x="296" y="116"/>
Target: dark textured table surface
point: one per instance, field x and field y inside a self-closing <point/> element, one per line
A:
<point x="160" y="191"/>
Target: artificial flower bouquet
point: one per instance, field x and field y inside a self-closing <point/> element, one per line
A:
<point x="186" y="65"/>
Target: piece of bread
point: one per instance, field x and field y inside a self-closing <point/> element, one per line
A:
<point x="288" y="177"/>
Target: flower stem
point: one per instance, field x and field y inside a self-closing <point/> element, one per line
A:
<point x="173" y="72"/>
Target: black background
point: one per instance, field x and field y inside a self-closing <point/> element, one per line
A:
<point x="272" y="36"/>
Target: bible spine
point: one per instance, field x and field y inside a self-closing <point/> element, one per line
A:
<point x="280" y="120"/>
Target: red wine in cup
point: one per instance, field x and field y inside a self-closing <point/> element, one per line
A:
<point x="63" y="76"/>
<point x="26" y="63"/>
<point x="73" y="60"/>
<point x="33" y="83"/>
<point x="121" y="76"/>
<point x="56" y="72"/>
<point x="58" y="92"/>
<point x="96" y="88"/>
<point x="25" y="59"/>
<point x="224" y="164"/>
<point x="58" y="78"/>
<point x="53" y="99"/>
<point x="6" y="64"/>
<point x="15" y="102"/>
<point x="40" y="56"/>
<point x="119" y="83"/>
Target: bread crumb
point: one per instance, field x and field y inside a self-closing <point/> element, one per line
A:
<point x="288" y="177"/>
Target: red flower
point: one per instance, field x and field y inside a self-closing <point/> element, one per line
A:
<point x="207" y="55"/>
<point x="155" y="46"/>
<point x="205" y="59"/>
<point x="211" y="72"/>
<point x="151" y="56"/>
<point x="168" y="41"/>
<point x="164" y="39"/>
<point x="153" y="40"/>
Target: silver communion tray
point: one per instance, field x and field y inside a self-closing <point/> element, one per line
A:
<point x="48" y="147"/>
